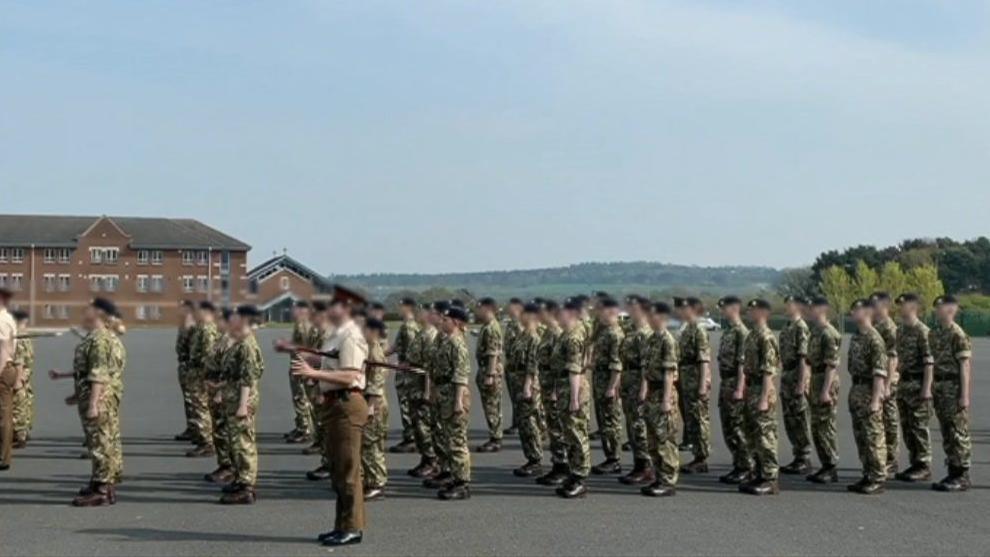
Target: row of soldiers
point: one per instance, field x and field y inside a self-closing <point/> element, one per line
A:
<point x="16" y="386"/>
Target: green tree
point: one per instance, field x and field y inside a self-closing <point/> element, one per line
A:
<point x="839" y="288"/>
<point x="799" y="281"/>
<point x="867" y="281"/>
<point x="925" y="282"/>
<point x="893" y="279"/>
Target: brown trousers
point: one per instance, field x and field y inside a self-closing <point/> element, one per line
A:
<point x="8" y="377"/>
<point x="343" y="425"/>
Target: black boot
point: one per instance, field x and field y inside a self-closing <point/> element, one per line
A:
<point x="573" y="488"/>
<point x="735" y="476"/>
<point x="658" y="489"/>
<point x="798" y="467"/>
<point x="696" y="466"/>
<point x="556" y="476"/>
<point x="760" y="487"/>
<point x="642" y="473"/>
<point x="915" y="473"/>
<point x="956" y="481"/>
<point x="442" y="480"/>
<point x="825" y="475"/>
<point x="456" y="491"/>
<point x="529" y="469"/>
<point x="610" y="466"/>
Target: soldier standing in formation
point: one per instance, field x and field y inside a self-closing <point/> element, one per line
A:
<point x="552" y="332"/>
<point x="695" y="381"/>
<point x="489" y="353"/>
<point x="731" y="409"/>
<point x="662" y="413"/>
<point x="451" y="377"/>
<point x="23" y="398"/>
<point x="8" y="378"/>
<point x="187" y="323"/>
<point x="406" y="384"/>
<point x="888" y="331"/>
<point x="320" y="333"/>
<point x="914" y="391"/>
<point x="418" y="355"/>
<point x="795" y="380"/>
<point x="760" y="368"/>
<point x="573" y="391"/>
<point x="376" y="430"/>
<point x="224" y="473"/>
<point x="607" y="379"/>
<point x="952" y="351"/>
<point x="525" y="357"/>
<point x="868" y="369"/>
<point x="823" y="358"/>
<point x="634" y="356"/>
<point x="302" y="330"/>
<point x="201" y="343"/>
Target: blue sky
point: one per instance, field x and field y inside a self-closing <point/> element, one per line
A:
<point x="456" y="135"/>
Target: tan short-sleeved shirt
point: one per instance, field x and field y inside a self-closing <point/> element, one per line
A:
<point x="352" y="351"/>
<point x="8" y="332"/>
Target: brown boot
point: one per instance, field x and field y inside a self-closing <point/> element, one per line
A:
<point x="244" y="496"/>
<point x="201" y="451"/>
<point x="98" y="496"/>
<point x="219" y="476"/>
<point x="642" y="473"/>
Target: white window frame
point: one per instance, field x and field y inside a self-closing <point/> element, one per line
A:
<point x="142" y="257"/>
<point x="50" y="256"/>
<point x="202" y="283"/>
<point x="202" y="258"/>
<point x="3" y="279"/>
<point x="4" y="254"/>
<point x="49" y="282"/>
<point x="111" y="283"/>
<point x="188" y="283"/>
<point x="64" y="283"/>
<point x="63" y="312"/>
<point x="64" y="254"/>
<point x="157" y="257"/>
<point x="157" y="284"/>
<point x="16" y="282"/>
<point x="188" y="258"/>
<point x="284" y="283"/>
<point x="17" y="255"/>
<point x="49" y="311"/>
<point x="141" y="283"/>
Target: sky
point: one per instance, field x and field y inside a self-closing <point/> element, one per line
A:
<point x="446" y="135"/>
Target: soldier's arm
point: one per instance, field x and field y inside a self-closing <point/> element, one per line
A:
<point x="830" y="353"/>
<point x="804" y="370"/>
<point x="575" y="368"/>
<point x="964" y="350"/>
<point x="878" y="362"/>
<point x="462" y="369"/>
<point x="929" y="367"/>
<point x="614" y="366"/>
<point x="704" y="360"/>
<point x="892" y="362"/>
<point x="768" y="368"/>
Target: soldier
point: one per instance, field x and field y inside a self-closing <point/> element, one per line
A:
<point x="634" y="354"/>
<point x="243" y="366"/>
<point x="607" y="378"/>
<point x="794" y="383"/>
<point x="573" y="398"/>
<point x="406" y="383"/>
<point x="555" y="433"/>
<point x="320" y="332"/>
<point x="513" y="378"/>
<point x="951" y="393"/>
<point x="201" y="344"/>
<point x="760" y="367"/>
<point x="419" y="356"/>
<point x="489" y="378"/>
<point x="884" y="325"/>
<point x="914" y="392"/>
<point x="525" y="356"/>
<point x="868" y="368"/>
<point x="695" y="379"/>
<point x="662" y="413"/>
<point x="732" y="410"/>
<point x="443" y="478"/>
<point x="224" y="472"/>
<point x="23" y="401"/>
<point x="823" y="359"/>
<point x="8" y="378"/>
<point x="302" y="408"/>
<point x="450" y="375"/>
<point x="187" y="323"/>
<point x="376" y="430"/>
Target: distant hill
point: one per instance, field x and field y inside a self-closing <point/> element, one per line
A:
<point x="617" y="278"/>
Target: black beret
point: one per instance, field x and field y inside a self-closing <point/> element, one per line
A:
<point x="551" y="305"/>
<point x="792" y="299"/>
<point x="487" y="302"/>
<point x="378" y="306"/>
<point x="19" y="315"/>
<point x="106" y="306"/>
<point x="227" y="312"/>
<point x="861" y="303"/>
<point x="945" y="299"/>
<point x="6" y="292"/>
<point x="636" y="299"/>
<point x="907" y="297"/>
<point x="375" y="325"/>
<point x="759" y="303"/>
<point x="572" y="304"/>
<point x="319" y="306"/>
<point x="662" y="308"/>
<point x="441" y="306"/>
<point x="609" y="303"/>
<point x="819" y="301"/>
<point x="880" y="296"/>
<point x="515" y="301"/>
<point x="456" y="313"/>
<point x="302" y="304"/>
<point x="207" y="305"/>
<point x="187" y="304"/>
<point x="725" y="301"/>
<point x="426" y="305"/>
<point x="601" y="295"/>
<point x="694" y="302"/>
<point x="680" y="302"/>
<point x="248" y="310"/>
<point x="457" y="303"/>
<point x="531" y="308"/>
<point x="407" y="302"/>
<point x="581" y="298"/>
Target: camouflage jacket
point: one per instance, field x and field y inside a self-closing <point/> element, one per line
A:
<point x="404" y="340"/>
<point x="243" y="365"/>
<point x="730" y="349"/>
<point x="182" y="339"/>
<point x="761" y="356"/>
<point x="490" y="344"/>
<point x="452" y="361"/>
<point x="510" y="331"/>
<point x="214" y="364"/>
<point x="420" y="352"/>
<point x="24" y="355"/>
<point x="661" y="356"/>
<point x="524" y="355"/>
<point x="301" y="332"/>
<point x="607" y="354"/>
<point x="567" y="357"/>
<point x="318" y="336"/>
<point x="201" y="346"/>
<point x="634" y="352"/>
<point x="913" y="350"/>
<point x="950" y="346"/>
<point x="545" y="350"/>
<point x="823" y="348"/>
<point x="693" y="347"/>
<point x="795" y="338"/>
<point x="867" y="355"/>
<point x="98" y="358"/>
<point x="888" y="332"/>
<point x="375" y="376"/>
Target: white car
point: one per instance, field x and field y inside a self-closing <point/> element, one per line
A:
<point x="708" y="323"/>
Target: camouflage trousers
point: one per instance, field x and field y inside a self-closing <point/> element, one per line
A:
<point x="732" y="416"/>
<point x="662" y="429"/>
<point x="555" y="427"/>
<point x="202" y="425"/>
<point x="530" y="434"/>
<point x="697" y="414"/>
<point x="491" y="404"/>
<point x="824" y="433"/>
<point x="869" y="433"/>
<point x="454" y="434"/>
<point x="797" y="414"/>
<point x="241" y="438"/>
<point x="187" y="399"/>
<point x="761" y="431"/>
<point x="635" y="415"/>
<point x="575" y="425"/>
<point x="373" y="447"/>
<point x="916" y="418"/>
<point x="317" y="418"/>
<point x="422" y="416"/>
<point x="218" y="413"/>
<point x="301" y="406"/>
<point x="608" y="413"/>
<point x="23" y="411"/>
<point x="404" y="392"/>
<point x="513" y="383"/>
<point x="102" y="437"/>
<point x="892" y="426"/>
<point x="953" y="421"/>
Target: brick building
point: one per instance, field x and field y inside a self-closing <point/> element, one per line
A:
<point x="56" y="264"/>
<point x="277" y="283"/>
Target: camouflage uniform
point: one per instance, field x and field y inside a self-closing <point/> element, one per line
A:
<point x="950" y="347"/>
<point x="453" y="370"/>
<point x="301" y="332"/>
<point x="182" y="356"/>
<point x="548" y="389"/>
<point x="489" y="346"/>
<point x="566" y="360"/>
<point x="23" y="403"/>
<point x="317" y="337"/>
<point x="100" y="358"/>
<point x="794" y="342"/>
<point x="914" y="354"/>
<point x="218" y="411"/>
<point x="376" y="430"/>
<point x="867" y="360"/>
<point x="406" y="383"/>
<point x="694" y="350"/>
<point x="440" y="444"/>
<point x="525" y="356"/>
<point x="732" y="412"/>
<point x="419" y="354"/>
<point x="634" y="352"/>
<point x="823" y="353"/>
<point x="662" y="427"/>
<point x="761" y="358"/>
<point x="513" y="377"/>
<point x="891" y="423"/>
<point x="608" y="410"/>
<point x="200" y="347"/>
<point x="242" y="366"/>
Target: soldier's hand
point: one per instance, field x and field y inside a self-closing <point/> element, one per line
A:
<point x="489" y="380"/>
<point x="458" y="408"/>
<point x="666" y="406"/>
<point x="575" y="406"/>
<point x="763" y="405"/>
<point x="875" y="405"/>
<point x="826" y="399"/>
<point x="963" y="402"/>
<point x="527" y="391"/>
<point x="926" y="395"/>
<point x="738" y="395"/>
<point x="71" y="400"/>
<point x="610" y="393"/>
<point x="93" y="412"/>
<point x="242" y="413"/>
<point x="282" y="345"/>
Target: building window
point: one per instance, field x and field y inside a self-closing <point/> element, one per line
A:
<point x="63" y="312"/>
<point x="3" y="280"/>
<point x="142" y="257"/>
<point x="141" y="284"/>
<point x="106" y="256"/>
<point x="111" y="283"/>
<point x="16" y="255"/>
<point x="187" y="283"/>
<point x="156" y="257"/>
<point x="48" y="280"/>
<point x="64" y="254"/>
<point x="94" y="283"/>
<point x="63" y="283"/>
<point x="202" y="258"/>
<point x="187" y="257"/>
<point x="202" y="284"/>
<point x="284" y="283"/>
<point x="50" y="255"/>
<point x="225" y="263"/>
<point x="4" y="254"/>
<point x="49" y="311"/>
<point x="16" y="282"/>
<point x="157" y="283"/>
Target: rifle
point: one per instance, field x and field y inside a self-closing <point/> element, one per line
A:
<point x="294" y="349"/>
<point x="49" y="334"/>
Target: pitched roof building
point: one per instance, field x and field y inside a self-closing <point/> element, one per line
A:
<point x="275" y="285"/>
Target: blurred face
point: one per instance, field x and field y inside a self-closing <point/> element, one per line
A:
<point x="514" y="310"/>
<point x="336" y="313"/>
<point x="547" y="317"/>
<point x="758" y="315"/>
<point x="406" y="311"/>
<point x="371" y="335"/>
<point x="568" y="317"/>
<point x="730" y="312"/>
<point x="794" y="309"/>
<point x="819" y="313"/>
<point x="91" y="318"/>
<point x="635" y="312"/>
<point x="447" y="325"/>
<point x="684" y="313"/>
<point x="485" y="313"/>
<point x="222" y="324"/>
<point x="909" y="310"/>
<point x="879" y="310"/>
<point x="610" y="315"/>
<point x="376" y="313"/>
<point x="862" y="316"/>
<point x="237" y="325"/>
<point x="21" y="324"/>
<point x="300" y="313"/>
<point x="658" y="320"/>
<point x="946" y="312"/>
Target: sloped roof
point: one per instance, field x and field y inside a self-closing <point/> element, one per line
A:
<point x="279" y="262"/>
<point x="145" y="232"/>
